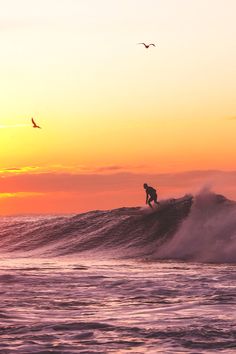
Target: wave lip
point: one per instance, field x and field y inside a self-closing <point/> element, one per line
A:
<point x="208" y="234"/>
<point x="200" y="228"/>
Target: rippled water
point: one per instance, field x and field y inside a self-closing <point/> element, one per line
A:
<point x="82" y="306"/>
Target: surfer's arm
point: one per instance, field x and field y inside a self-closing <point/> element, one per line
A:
<point x="146" y="197"/>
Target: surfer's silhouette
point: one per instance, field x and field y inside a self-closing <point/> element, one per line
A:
<point x="151" y="195"/>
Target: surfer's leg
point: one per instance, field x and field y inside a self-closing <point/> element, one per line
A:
<point x="149" y="202"/>
<point x="155" y="200"/>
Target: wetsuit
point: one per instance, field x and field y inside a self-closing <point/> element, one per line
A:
<point x="153" y="196"/>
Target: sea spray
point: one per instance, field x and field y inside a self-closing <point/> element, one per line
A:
<point x="208" y="234"/>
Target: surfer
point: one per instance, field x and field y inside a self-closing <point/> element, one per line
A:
<point x="151" y="195"/>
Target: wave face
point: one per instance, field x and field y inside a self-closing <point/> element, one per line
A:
<point x="202" y="229"/>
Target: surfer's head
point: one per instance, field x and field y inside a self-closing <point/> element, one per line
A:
<point x="145" y="185"/>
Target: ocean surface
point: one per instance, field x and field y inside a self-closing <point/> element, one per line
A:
<point x="128" y="280"/>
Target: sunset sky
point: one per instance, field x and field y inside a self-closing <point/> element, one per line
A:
<point x="113" y="114"/>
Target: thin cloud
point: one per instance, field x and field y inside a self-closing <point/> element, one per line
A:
<point x="109" y="168"/>
<point x="17" y="170"/>
<point x="65" y="169"/>
<point x="85" y="169"/>
<point x="20" y="195"/>
<point x="11" y="169"/>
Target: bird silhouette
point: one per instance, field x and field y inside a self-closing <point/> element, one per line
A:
<point x="34" y="124"/>
<point x="147" y="45"/>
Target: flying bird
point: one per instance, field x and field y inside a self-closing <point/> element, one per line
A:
<point x="147" y="45"/>
<point x="34" y="124"/>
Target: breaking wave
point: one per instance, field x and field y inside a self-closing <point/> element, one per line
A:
<point x="200" y="228"/>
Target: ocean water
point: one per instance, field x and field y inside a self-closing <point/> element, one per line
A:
<point x="129" y="280"/>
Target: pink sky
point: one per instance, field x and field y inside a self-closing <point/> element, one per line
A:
<point x="66" y="192"/>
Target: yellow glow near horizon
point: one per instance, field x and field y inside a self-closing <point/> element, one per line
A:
<point x="20" y="195"/>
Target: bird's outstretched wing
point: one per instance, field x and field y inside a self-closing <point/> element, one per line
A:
<point x="142" y="43"/>
<point x="34" y="124"/>
<point x="152" y="44"/>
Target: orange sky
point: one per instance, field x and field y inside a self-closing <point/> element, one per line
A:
<point x="113" y="114"/>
